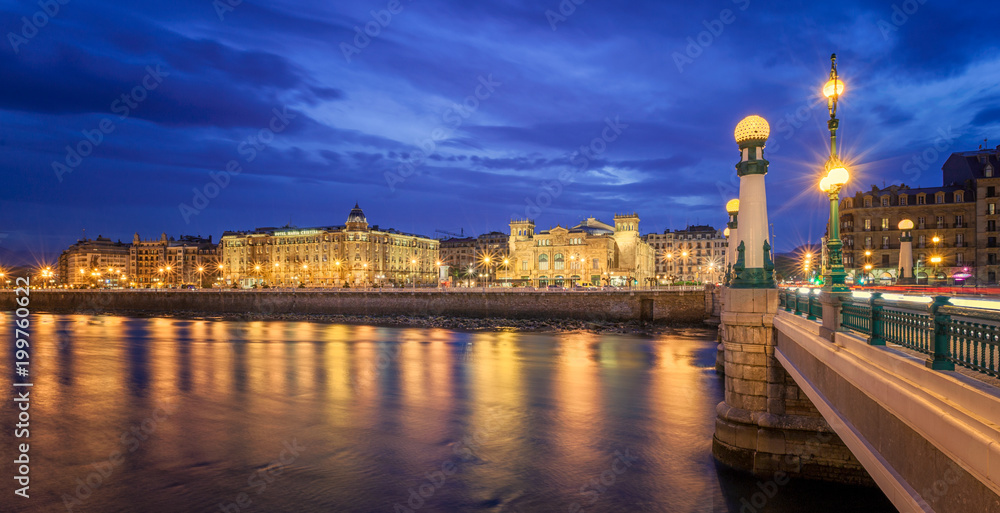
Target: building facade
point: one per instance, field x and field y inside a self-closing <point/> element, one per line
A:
<point x="694" y="254"/>
<point x="468" y="256"/>
<point x="351" y="255"/>
<point x="170" y="262"/>
<point x="955" y="225"/>
<point x="591" y="252"/>
<point x="98" y="262"/>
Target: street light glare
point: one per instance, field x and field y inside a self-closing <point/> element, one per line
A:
<point x="824" y="184"/>
<point x="828" y="88"/>
<point x="905" y="224"/>
<point x="733" y="206"/>
<point x="838" y="175"/>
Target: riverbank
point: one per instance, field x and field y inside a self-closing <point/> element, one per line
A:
<point x="598" y="307"/>
<point x="439" y="322"/>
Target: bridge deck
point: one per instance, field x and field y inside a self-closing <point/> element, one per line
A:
<point x="930" y="439"/>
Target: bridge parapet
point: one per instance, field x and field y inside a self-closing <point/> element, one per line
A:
<point x="947" y="334"/>
<point x="929" y="436"/>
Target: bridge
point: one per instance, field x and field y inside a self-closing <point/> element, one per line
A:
<point x="898" y="392"/>
<point x="860" y="388"/>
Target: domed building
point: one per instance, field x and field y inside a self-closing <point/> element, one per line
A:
<point x="356" y="220"/>
<point x="354" y="254"/>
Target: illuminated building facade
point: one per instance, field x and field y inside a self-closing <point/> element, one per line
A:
<point x="696" y="253"/>
<point x="170" y="262"/>
<point x="351" y="255"/>
<point x="96" y="262"/>
<point x="591" y="252"/>
<point x="467" y="256"/>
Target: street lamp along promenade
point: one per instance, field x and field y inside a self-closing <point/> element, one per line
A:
<point x="836" y="177"/>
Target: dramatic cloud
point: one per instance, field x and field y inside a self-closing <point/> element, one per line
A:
<point x="449" y="114"/>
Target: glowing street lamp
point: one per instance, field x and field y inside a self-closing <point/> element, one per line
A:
<point x="753" y="266"/>
<point x="832" y="91"/>
<point x="836" y="177"/>
<point x="831" y="185"/>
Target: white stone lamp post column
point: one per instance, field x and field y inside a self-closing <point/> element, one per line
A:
<point x="753" y="267"/>
<point x="905" y="253"/>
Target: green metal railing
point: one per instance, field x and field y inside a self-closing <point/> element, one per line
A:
<point x="815" y="308"/>
<point x="856" y="316"/>
<point x="948" y="334"/>
<point x="974" y="338"/>
<point x="799" y="303"/>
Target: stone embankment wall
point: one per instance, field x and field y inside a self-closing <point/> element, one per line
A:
<point x="658" y="306"/>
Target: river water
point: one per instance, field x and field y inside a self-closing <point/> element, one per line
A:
<point x="169" y="415"/>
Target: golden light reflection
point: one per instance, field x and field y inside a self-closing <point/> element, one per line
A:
<point x="577" y="396"/>
<point x="683" y="412"/>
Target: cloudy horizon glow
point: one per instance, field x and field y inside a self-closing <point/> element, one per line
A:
<point x="489" y="102"/>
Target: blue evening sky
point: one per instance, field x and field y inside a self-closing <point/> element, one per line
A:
<point x="462" y="114"/>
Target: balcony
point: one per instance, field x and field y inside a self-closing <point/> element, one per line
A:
<point x="961" y="244"/>
<point x="961" y="225"/>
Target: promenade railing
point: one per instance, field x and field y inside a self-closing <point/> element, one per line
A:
<point x="949" y="334"/>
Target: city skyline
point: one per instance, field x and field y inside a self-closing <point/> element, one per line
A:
<point x="17" y="259"/>
<point x="316" y="116"/>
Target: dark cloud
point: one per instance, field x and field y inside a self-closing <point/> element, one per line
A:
<point x="356" y="125"/>
<point x="987" y="117"/>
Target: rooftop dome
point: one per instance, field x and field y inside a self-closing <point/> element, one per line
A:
<point x="594" y="227"/>
<point x="357" y="215"/>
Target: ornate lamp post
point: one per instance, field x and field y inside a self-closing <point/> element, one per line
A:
<point x="832" y="90"/>
<point x="837" y="175"/>
<point x="905" y="253"/>
<point x="831" y="185"/>
<point x="732" y="236"/>
<point x="753" y="267"/>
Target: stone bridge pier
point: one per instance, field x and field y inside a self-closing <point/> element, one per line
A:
<point x="766" y="425"/>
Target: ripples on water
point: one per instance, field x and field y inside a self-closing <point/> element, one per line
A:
<point x="167" y="415"/>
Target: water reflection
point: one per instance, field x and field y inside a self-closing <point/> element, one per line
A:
<point x="499" y="422"/>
